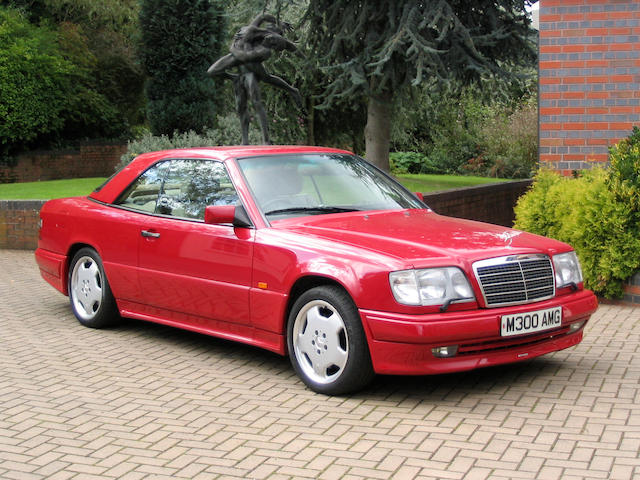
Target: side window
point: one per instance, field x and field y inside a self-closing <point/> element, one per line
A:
<point x="143" y="193"/>
<point x="181" y="188"/>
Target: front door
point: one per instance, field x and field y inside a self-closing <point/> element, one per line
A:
<point x="185" y="265"/>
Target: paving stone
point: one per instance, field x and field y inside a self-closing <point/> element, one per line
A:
<point x="143" y="401"/>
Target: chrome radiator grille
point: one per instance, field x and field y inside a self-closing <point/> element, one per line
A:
<point x="515" y="279"/>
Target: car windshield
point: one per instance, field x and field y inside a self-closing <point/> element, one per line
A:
<point x="314" y="184"/>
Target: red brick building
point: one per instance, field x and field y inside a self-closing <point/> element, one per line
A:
<point x="589" y="79"/>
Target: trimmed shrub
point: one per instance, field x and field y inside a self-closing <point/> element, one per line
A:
<point x="594" y="215"/>
<point x="533" y="211"/>
<point x="608" y="239"/>
<point x="625" y="168"/>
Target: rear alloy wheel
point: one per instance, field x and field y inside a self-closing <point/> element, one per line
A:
<point x="89" y="292"/>
<point x="327" y="344"/>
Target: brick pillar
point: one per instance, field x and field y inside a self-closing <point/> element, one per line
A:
<point x="589" y="79"/>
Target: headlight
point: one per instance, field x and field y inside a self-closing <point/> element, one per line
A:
<point x="568" y="271"/>
<point x="431" y="286"/>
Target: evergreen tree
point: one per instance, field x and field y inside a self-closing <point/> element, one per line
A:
<point x="180" y="39"/>
<point x="379" y="47"/>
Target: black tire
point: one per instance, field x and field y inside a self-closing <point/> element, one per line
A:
<point x="327" y="344"/>
<point x="89" y="293"/>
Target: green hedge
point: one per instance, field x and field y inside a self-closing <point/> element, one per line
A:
<point x="47" y="89"/>
<point x="597" y="213"/>
<point x="34" y="77"/>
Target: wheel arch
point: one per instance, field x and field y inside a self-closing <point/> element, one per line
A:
<point x="356" y="371"/>
<point x="305" y="283"/>
<point x="71" y="251"/>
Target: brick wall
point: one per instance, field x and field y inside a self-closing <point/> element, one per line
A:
<point x="589" y="79"/>
<point x="632" y="290"/>
<point x="90" y="160"/>
<point x="487" y="203"/>
<point x="19" y="223"/>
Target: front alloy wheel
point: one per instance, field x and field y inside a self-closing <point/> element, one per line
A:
<point x="327" y="345"/>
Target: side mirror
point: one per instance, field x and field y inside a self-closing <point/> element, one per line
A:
<point x="419" y="195"/>
<point x="215" y="214"/>
<point x="233" y="214"/>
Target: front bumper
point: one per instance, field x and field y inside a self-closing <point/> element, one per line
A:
<point x="401" y="344"/>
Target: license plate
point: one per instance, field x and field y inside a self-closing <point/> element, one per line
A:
<point x="530" y="322"/>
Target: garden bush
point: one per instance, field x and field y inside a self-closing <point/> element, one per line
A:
<point x="508" y="143"/>
<point x="598" y="213"/>
<point x="625" y="168"/>
<point x="411" y="162"/>
<point x="609" y="239"/>
<point x="460" y="132"/>
<point x="47" y="93"/>
<point x="227" y="133"/>
<point x="536" y="210"/>
<point x="35" y="81"/>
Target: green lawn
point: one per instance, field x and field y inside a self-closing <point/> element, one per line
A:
<point x="429" y="183"/>
<point x="84" y="186"/>
<point x="50" y="189"/>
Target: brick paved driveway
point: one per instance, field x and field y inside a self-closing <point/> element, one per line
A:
<point x="147" y="401"/>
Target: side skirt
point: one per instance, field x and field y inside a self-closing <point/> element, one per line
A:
<point x="229" y="331"/>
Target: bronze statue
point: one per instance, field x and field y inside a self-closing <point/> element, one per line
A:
<point x="252" y="45"/>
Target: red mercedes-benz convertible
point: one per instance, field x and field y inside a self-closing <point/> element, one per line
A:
<point x="314" y="253"/>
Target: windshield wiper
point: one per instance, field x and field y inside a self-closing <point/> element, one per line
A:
<point x="319" y="209"/>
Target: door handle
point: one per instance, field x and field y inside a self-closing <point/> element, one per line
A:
<point x="147" y="233"/>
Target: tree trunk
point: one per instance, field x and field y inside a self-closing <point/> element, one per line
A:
<point x="311" y="122"/>
<point x="377" y="133"/>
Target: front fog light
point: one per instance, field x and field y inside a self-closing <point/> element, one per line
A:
<point x="574" y="327"/>
<point x="445" y="352"/>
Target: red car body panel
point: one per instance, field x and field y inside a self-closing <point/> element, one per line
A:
<point x="237" y="283"/>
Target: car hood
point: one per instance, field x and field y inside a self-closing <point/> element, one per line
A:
<point x="421" y="237"/>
